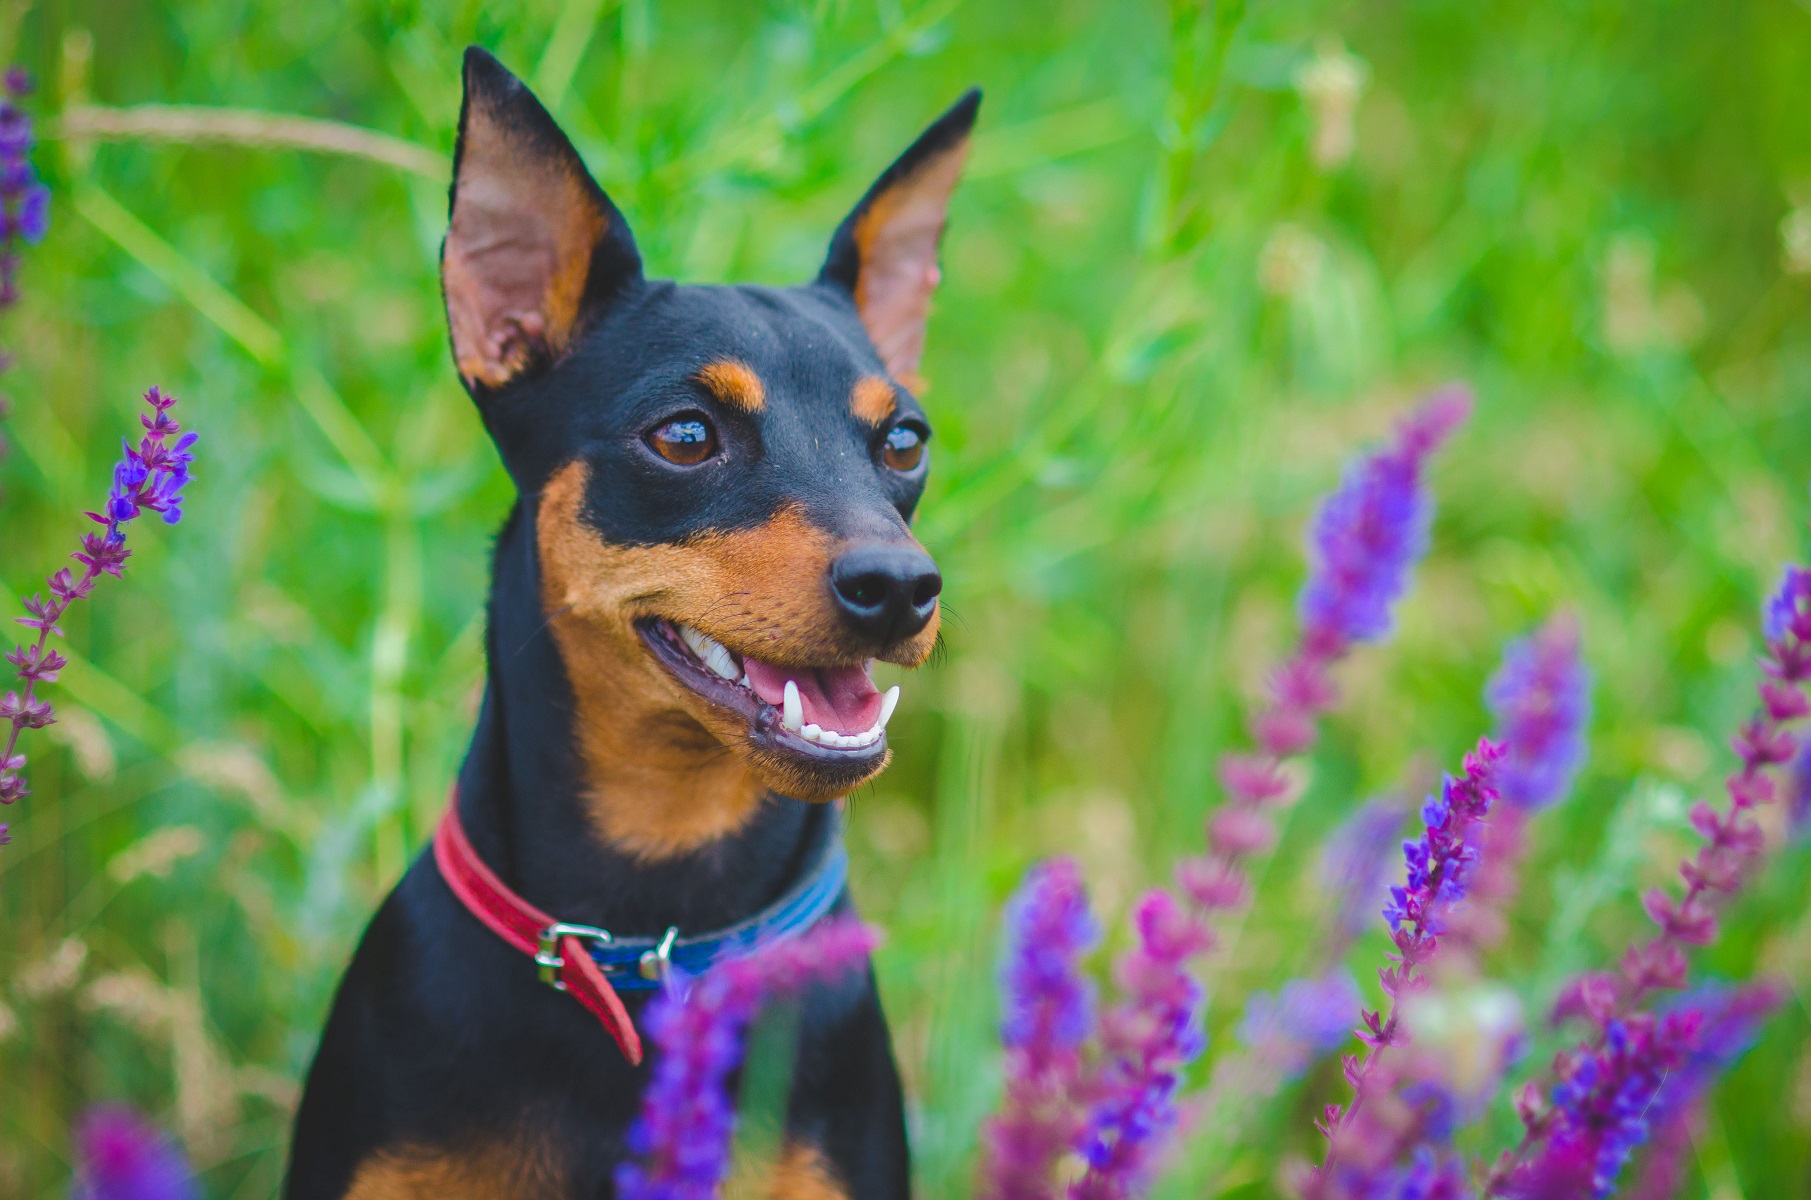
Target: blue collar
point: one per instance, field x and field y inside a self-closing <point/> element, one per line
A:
<point x="640" y="964"/>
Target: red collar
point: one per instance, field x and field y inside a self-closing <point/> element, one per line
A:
<point x="560" y="949"/>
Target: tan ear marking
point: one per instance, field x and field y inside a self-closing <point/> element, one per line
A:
<point x="873" y="400"/>
<point x="735" y="383"/>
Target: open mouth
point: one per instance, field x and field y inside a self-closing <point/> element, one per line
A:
<point x="829" y="715"/>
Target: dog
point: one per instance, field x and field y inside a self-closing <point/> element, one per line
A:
<point x="710" y="548"/>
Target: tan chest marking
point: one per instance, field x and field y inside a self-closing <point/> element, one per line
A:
<point x="489" y="1169"/>
<point x="801" y="1173"/>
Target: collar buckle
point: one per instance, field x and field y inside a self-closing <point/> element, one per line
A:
<point x="656" y="965"/>
<point x="548" y="957"/>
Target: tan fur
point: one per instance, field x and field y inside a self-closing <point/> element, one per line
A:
<point x="801" y="1173"/>
<point x="897" y="239"/>
<point x="668" y="771"/>
<point x="873" y="399"/>
<point x="734" y="383"/>
<point x="517" y="1168"/>
<point x="517" y="254"/>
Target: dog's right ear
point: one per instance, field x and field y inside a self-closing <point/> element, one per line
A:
<point x="533" y="246"/>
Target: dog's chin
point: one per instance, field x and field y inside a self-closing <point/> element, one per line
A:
<point x="738" y="701"/>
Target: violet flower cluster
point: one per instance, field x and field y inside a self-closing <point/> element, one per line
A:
<point x="1439" y="867"/>
<point x="150" y="477"/>
<point x="1049" y="1015"/>
<point x="1591" y="1125"/>
<point x="1730" y="1023"/>
<point x="121" y="1156"/>
<point x="1149" y="1037"/>
<point x="1364" y="543"/>
<point x="24" y="202"/>
<point x="682" y="1138"/>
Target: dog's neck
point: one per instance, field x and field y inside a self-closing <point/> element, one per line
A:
<point x="522" y="794"/>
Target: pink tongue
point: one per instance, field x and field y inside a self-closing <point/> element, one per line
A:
<point x="843" y="699"/>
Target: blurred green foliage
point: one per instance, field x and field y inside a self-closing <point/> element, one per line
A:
<point x="1202" y="254"/>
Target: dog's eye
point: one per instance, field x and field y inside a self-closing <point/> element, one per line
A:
<point x="687" y="440"/>
<point x="904" y="448"/>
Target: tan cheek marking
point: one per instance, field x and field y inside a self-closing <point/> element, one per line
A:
<point x="659" y="782"/>
<point x="735" y="383"/>
<point x="515" y="1168"/>
<point x="873" y="400"/>
<point x="801" y="1173"/>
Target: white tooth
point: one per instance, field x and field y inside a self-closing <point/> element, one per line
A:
<point x="718" y="660"/>
<point x="887" y="705"/>
<point x="814" y="733"/>
<point x="744" y="680"/>
<point x="869" y="737"/>
<point x="844" y="741"/>
<point x="792" y="713"/>
<point x="691" y="637"/>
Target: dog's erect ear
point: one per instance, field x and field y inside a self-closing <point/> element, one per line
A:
<point x="532" y="243"/>
<point x="885" y="252"/>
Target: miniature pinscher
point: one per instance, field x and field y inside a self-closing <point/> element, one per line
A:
<point x="710" y="549"/>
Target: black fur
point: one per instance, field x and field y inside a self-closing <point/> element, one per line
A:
<point x="441" y="1034"/>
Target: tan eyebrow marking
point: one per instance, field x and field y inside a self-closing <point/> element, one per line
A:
<point x="873" y="399"/>
<point x="735" y="383"/>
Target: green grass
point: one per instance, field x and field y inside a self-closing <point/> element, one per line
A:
<point x="1164" y="326"/>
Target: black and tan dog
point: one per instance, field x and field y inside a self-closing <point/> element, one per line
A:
<point x="710" y="550"/>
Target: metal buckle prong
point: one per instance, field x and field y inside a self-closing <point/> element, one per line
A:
<point x="657" y="964"/>
<point x="548" y="958"/>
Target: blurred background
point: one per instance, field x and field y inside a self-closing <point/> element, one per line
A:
<point x="1202" y="254"/>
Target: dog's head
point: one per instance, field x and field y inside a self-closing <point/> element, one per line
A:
<point x="722" y="478"/>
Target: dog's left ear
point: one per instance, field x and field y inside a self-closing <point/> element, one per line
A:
<point x="884" y="254"/>
<point x="533" y="246"/>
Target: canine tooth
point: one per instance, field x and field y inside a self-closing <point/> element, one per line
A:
<point x="887" y="705"/>
<point x="815" y="733"/>
<point x="792" y="713"/>
<point x="718" y="660"/>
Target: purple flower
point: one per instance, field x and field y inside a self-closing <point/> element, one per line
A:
<point x="1370" y="533"/>
<point x="121" y="1156"/>
<point x="1603" y="1107"/>
<point x="1149" y="1037"/>
<point x="151" y="476"/>
<point x="1439" y="864"/>
<point x="1049" y="1013"/>
<point x="1441" y="861"/>
<point x="1307" y="1018"/>
<point x="1541" y="698"/>
<point x="682" y="1138"/>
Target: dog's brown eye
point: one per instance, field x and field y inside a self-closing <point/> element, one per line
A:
<point x="904" y="449"/>
<point x="687" y="441"/>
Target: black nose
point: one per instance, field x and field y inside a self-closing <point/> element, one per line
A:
<point x="887" y="593"/>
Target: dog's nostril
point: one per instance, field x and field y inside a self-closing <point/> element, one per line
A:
<point x="865" y="591"/>
<point x="927" y="590"/>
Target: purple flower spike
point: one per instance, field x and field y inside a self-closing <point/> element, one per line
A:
<point x="1149" y="1038"/>
<point x="121" y="1156"/>
<point x="1049" y="1013"/>
<point x="1370" y="533"/>
<point x="1440" y="864"/>
<point x="151" y="476"/>
<point x="682" y="1138"/>
<point x="1541" y="698"/>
